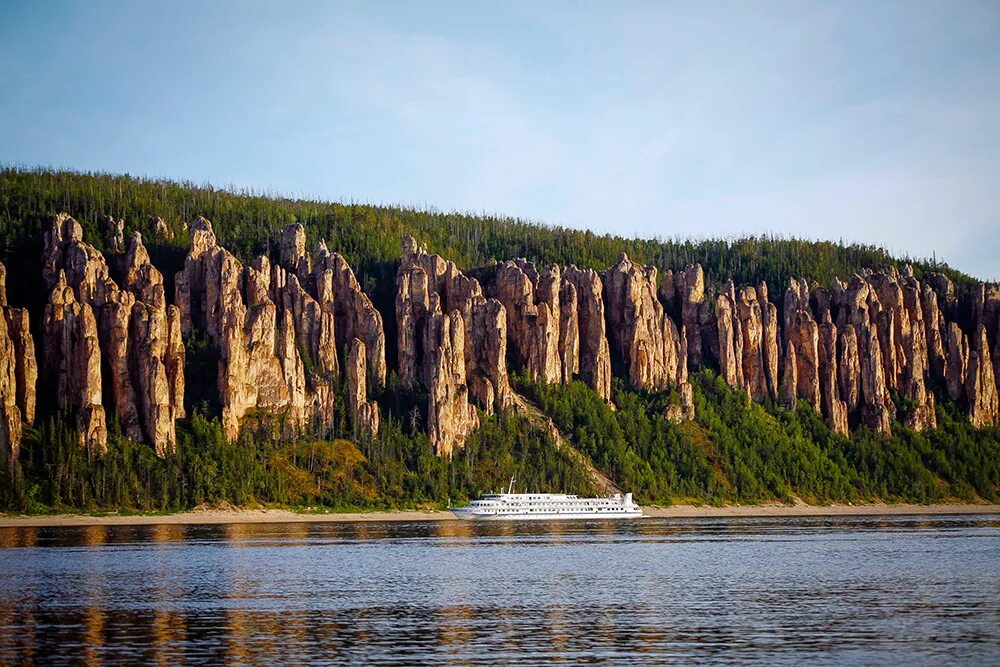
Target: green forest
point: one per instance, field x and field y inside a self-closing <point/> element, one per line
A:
<point x="735" y="451"/>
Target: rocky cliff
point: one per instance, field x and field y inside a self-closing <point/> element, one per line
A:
<point x="862" y="353"/>
<point x="91" y="321"/>
<point x="264" y="318"/>
<point x="452" y="339"/>
<point x="18" y="373"/>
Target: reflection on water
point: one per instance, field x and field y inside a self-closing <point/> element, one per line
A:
<point x="840" y="590"/>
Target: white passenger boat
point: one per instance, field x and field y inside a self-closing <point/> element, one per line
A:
<point x="521" y="506"/>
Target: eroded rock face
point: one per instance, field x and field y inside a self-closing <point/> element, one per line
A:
<point x="569" y="331"/>
<point x="354" y="314"/>
<point x="856" y="302"/>
<point x="312" y="318"/>
<point x="935" y="326"/>
<point x="160" y="228"/>
<point x="849" y="369"/>
<point x="259" y="366"/>
<point x="114" y="234"/>
<point x="531" y="300"/>
<point x="690" y="291"/>
<point x="72" y="362"/>
<point x="958" y="361"/>
<point x="640" y="332"/>
<point x="730" y="367"/>
<point x="915" y="356"/>
<point x="133" y="330"/>
<point x="484" y="322"/>
<point x="980" y="382"/>
<point x="292" y="251"/>
<point x="802" y="335"/>
<point x="450" y="415"/>
<point x="486" y="338"/>
<point x="751" y="321"/>
<point x="594" y="355"/>
<point x="18" y="374"/>
<point x="364" y="413"/>
<point x="770" y="351"/>
<point x="834" y="408"/>
<point x="279" y="329"/>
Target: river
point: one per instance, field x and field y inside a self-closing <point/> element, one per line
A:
<point x="844" y="590"/>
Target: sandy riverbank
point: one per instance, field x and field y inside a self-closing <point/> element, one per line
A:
<point x="212" y="516"/>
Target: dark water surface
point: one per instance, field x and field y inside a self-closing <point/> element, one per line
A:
<point x="852" y="590"/>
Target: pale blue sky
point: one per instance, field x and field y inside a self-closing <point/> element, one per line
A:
<point x="871" y="121"/>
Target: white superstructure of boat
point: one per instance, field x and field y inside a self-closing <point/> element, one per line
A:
<point x="544" y="506"/>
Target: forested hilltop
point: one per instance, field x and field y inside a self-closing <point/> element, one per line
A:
<point x="165" y="345"/>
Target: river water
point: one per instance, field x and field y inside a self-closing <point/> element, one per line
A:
<point x="850" y="590"/>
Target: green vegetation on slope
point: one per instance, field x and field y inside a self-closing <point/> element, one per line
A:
<point x="740" y="451"/>
<point x="396" y="470"/>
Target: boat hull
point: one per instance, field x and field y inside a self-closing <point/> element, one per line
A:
<point x="467" y="515"/>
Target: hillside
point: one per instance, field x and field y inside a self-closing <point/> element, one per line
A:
<point x="166" y="345"/>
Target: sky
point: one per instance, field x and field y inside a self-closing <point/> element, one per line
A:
<point x="876" y="122"/>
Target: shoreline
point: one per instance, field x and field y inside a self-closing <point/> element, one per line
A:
<point x="252" y="516"/>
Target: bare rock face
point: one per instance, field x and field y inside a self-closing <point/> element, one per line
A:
<point x="161" y="229"/>
<point x="789" y="377"/>
<point x="834" y="408"/>
<point x="354" y="314"/>
<point x="690" y="291"/>
<point x="802" y="335"/>
<point x="25" y="363"/>
<point x="641" y="333"/>
<point x="531" y="300"/>
<point x="421" y="276"/>
<point x="893" y="324"/>
<point x="770" y="351"/>
<point x="197" y="287"/>
<point x="148" y="345"/>
<point x="934" y="330"/>
<point x="958" y="361"/>
<point x="915" y="355"/>
<point x="72" y="362"/>
<point x="980" y="382"/>
<point x="986" y="308"/>
<point x="569" y="331"/>
<point x="730" y="368"/>
<point x="450" y="416"/>
<point x="986" y="311"/>
<point x="113" y="232"/>
<point x="259" y="367"/>
<point x="133" y="330"/>
<point x="312" y="318"/>
<point x="594" y="356"/>
<point x="487" y="339"/>
<point x="412" y="303"/>
<point x="751" y="319"/>
<point x="849" y="369"/>
<point x="364" y="413"/>
<point x="857" y="303"/>
<point x="313" y="322"/>
<point x="154" y="350"/>
<point x="292" y="251"/>
<point x="11" y="419"/>
<point x="18" y="374"/>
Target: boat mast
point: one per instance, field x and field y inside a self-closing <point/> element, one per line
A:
<point x="510" y="489"/>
